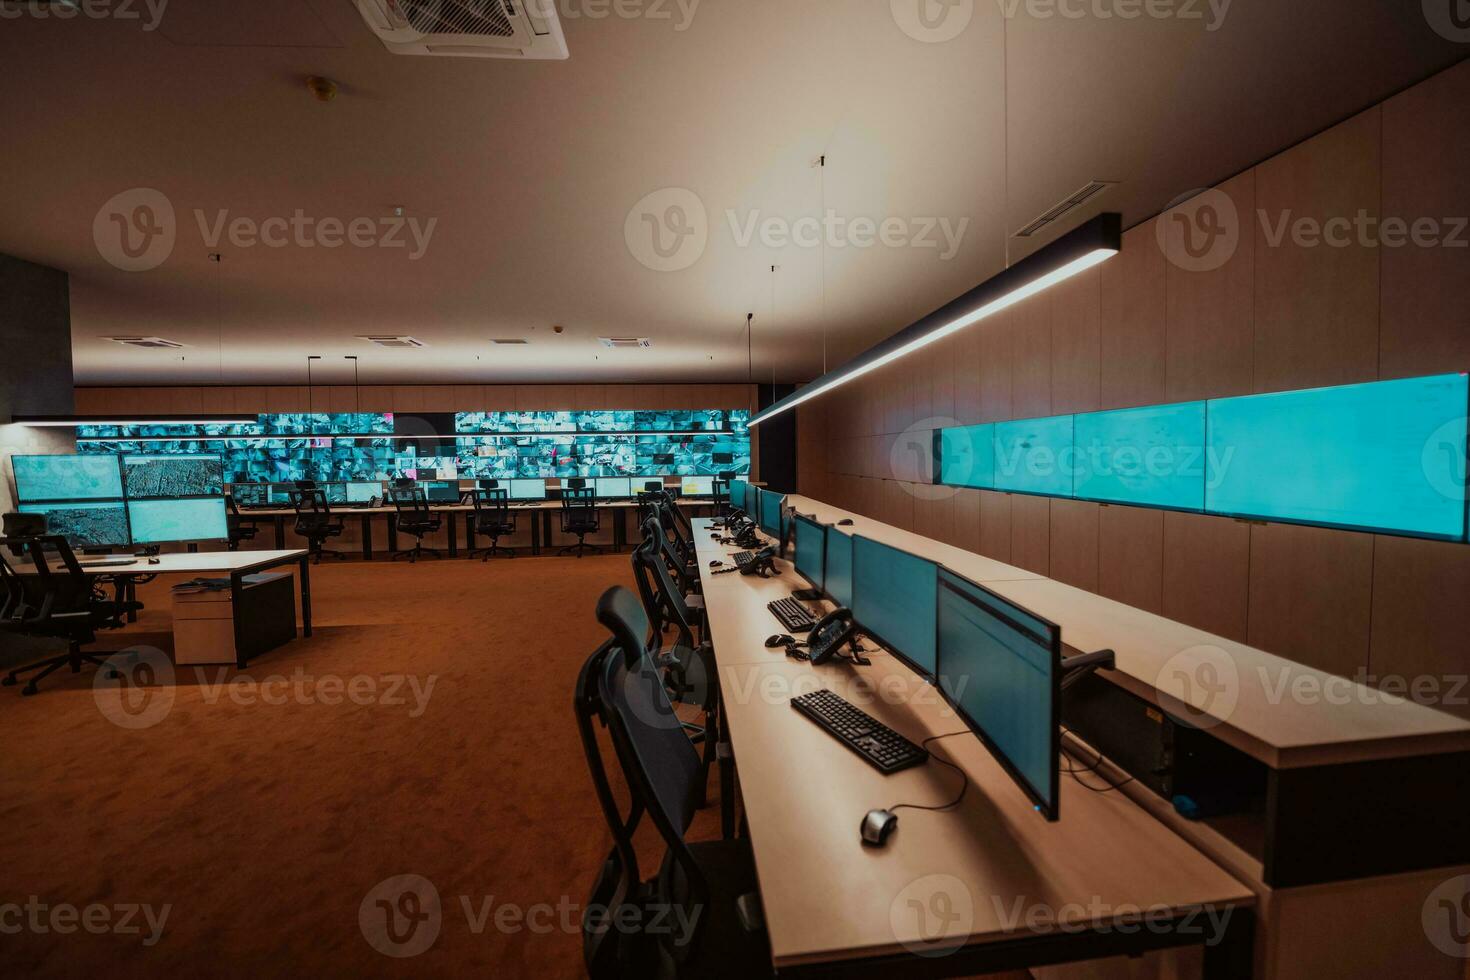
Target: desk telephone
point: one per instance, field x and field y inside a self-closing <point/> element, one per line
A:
<point x="830" y="634"/>
<point x="742" y="529"/>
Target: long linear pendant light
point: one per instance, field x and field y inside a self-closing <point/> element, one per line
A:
<point x="75" y="421"/>
<point x="1078" y="250"/>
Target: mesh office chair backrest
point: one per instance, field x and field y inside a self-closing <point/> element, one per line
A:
<point x="312" y="509"/>
<point x="679" y="521"/>
<point x="578" y="506"/>
<point x="681" y="544"/>
<point x="667" y="597"/>
<point x="653" y="531"/>
<point x="492" y="508"/>
<point x="14" y="600"/>
<point x="22" y="526"/>
<point x="64" y="585"/>
<point x="412" y="504"/>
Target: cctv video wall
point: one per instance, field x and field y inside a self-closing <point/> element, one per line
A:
<point x="1387" y="456"/>
<point x="468" y="445"/>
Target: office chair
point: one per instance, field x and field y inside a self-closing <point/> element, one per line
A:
<point x="314" y="521"/>
<point x="57" y="603"/>
<point x="579" y="516"/>
<point x="239" y="529"/>
<point x="404" y="483"/>
<point x="619" y="688"/>
<point x="648" y="501"/>
<point x="690" y="673"/>
<point x="493" y="519"/>
<point x="415" y="518"/>
<point x="22" y="526"/>
<point x="677" y="526"/>
<point x="686" y="577"/>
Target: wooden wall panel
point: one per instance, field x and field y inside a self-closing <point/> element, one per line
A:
<point x="995" y="525"/>
<point x="1421" y="620"/>
<point x="286" y="399"/>
<point x="942" y="380"/>
<point x="1074" y="543"/>
<point x="1031" y="533"/>
<point x="1426" y="305"/>
<point x="1131" y="556"/>
<point x="1311" y="595"/>
<point x="996" y="351"/>
<point x="408" y="399"/>
<point x="1076" y="312"/>
<point x="1210" y="314"/>
<point x="1207" y="573"/>
<point x="1316" y="306"/>
<point x="967" y="521"/>
<point x="1031" y="358"/>
<point x="933" y="515"/>
<point x="1132" y="342"/>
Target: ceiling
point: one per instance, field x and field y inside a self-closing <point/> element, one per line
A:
<point x="530" y="170"/>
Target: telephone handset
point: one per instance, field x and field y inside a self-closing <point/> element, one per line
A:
<point x="761" y="563"/>
<point x="742" y="529"/>
<point x="828" y="636"/>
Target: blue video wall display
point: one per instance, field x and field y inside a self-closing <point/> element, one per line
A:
<point x="1153" y="457"/>
<point x="1388" y="456"/>
<point x="345" y="448"/>
<point x="1034" y="456"/>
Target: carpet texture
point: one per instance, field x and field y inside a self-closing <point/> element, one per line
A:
<point x="264" y="825"/>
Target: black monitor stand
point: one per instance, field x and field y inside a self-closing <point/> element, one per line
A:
<point x="1078" y="667"/>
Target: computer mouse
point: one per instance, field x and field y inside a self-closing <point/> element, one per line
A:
<point x="877" y="826"/>
<point x="779" y="640"/>
<point x="716" y="563"/>
<point x="846" y="522"/>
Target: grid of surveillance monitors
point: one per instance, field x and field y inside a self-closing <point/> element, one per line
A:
<point x="101" y="502"/>
<point x="996" y="663"/>
<point x="1387" y="456"/>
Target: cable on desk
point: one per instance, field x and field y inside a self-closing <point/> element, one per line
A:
<point x="964" y="787"/>
<point x="1074" y="772"/>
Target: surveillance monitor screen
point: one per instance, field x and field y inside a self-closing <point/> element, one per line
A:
<point x="85" y="524"/>
<point x="162" y="477"/>
<point x="166" y="521"/>
<point x="66" y="478"/>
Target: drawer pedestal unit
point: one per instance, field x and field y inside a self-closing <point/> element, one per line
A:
<point x="204" y="622"/>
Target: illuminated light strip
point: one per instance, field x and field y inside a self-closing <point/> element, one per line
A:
<point x="76" y="421"/>
<point x="1098" y="240"/>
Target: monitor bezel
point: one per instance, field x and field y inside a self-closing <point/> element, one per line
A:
<point x="177" y="500"/>
<point x="1050" y="810"/>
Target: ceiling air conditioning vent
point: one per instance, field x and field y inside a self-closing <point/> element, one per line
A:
<point x="149" y="343"/>
<point x="527" y="29"/>
<point x="642" y="342"/>
<point x="509" y="342"/>
<point x="395" y="343"/>
<point x="1073" y="201"/>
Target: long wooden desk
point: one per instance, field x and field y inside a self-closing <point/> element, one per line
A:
<point x="540" y="513"/>
<point x="232" y="564"/>
<point x="989" y="886"/>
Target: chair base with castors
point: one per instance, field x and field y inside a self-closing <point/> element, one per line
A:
<point x="579" y="548"/>
<point x="73" y="658"/>
<point x="416" y="552"/>
<point x="493" y="551"/>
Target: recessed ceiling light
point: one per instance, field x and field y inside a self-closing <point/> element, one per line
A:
<point x="149" y="343"/>
<point x="641" y="342"/>
<point x="394" y="342"/>
<point x="509" y="342"/>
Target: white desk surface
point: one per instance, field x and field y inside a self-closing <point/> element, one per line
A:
<point x="204" y="563"/>
<point x="827" y="897"/>
<point x="342" y="510"/>
<point x="1347" y="723"/>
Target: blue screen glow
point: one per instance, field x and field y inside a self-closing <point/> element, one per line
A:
<point x="771" y="504"/>
<point x="164" y="521"/>
<point x="66" y="478"/>
<point x="1384" y="456"/>
<point x="811" y="549"/>
<point x="1154" y="457"/>
<point x="1035" y="456"/>
<point x="839" y="567"/>
<point x="967" y="457"/>
<point x="894" y="596"/>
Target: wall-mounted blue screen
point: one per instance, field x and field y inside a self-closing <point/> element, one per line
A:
<point x="894" y="595"/>
<point x="66" y="478"/>
<point x="838" y="567"/>
<point x="1035" y="456"/>
<point x="967" y="456"/>
<point x="1388" y="455"/>
<point x="165" y="521"/>
<point x="1153" y="457"/>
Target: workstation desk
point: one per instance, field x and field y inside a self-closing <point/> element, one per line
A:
<point x="234" y="565"/>
<point x="987" y="887"/>
<point x="542" y="514"/>
<point x="1362" y="816"/>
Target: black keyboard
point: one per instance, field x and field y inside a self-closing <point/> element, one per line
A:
<point x="882" y="747"/>
<point x="793" y="615"/>
<point x="743" y="558"/>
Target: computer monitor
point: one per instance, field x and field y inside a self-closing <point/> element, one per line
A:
<point x="40" y="478"/>
<point x="527" y="489"/>
<point x="162" y="477"/>
<point x="999" y="666"/>
<point x="362" y="493"/>
<point x="85" y="523"/>
<point x="613" y="487"/>
<point x="250" y="494"/>
<point x="653" y="486"/>
<point x="838" y="567"/>
<point x="697" y="486"/>
<point x="811" y="550"/>
<point x="442" y="492"/>
<point x="336" y="492"/>
<point x="739" y="493"/>
<point x="280" y="493"/>
<point x="772" y="505"/>
<point x="893" y="599"/>
<point x="168" y="521"/>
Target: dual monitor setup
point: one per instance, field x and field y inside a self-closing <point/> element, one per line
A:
<point x="997" y="664"/>
<point x="102" y="502"/>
